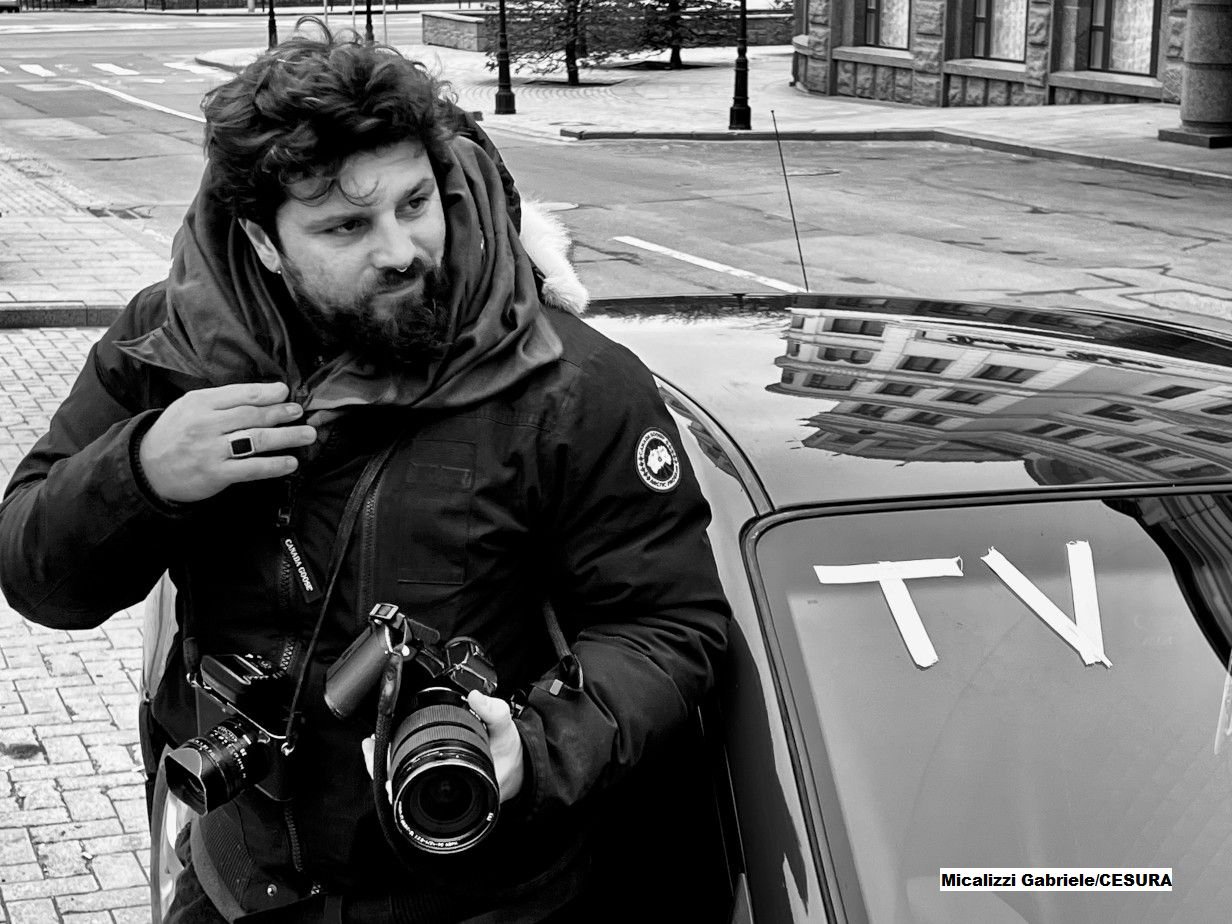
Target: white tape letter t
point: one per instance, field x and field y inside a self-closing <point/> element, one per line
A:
<point x="893" y="577"/>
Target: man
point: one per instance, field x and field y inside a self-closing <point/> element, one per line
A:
<point x="350" y="392"/>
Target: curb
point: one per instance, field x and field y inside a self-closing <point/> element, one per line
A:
<point x="257" y="14"/>
<point x="946" y="136"/>
<point x="57" y="314"/>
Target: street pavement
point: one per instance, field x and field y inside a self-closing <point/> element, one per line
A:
<point x="73" y="841"/>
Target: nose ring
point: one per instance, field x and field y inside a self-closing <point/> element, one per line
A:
<point x="403" y="269"/>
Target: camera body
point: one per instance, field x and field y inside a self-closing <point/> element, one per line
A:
<point x="444" y="791"/>
<point x="242" y="702"/>
<point x="445" y="795"/>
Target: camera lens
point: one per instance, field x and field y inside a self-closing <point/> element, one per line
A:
<point x="445" y="795"/>
<point x="215" y="767"/>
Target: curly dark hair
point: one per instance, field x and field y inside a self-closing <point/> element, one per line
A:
<point x="306" y="105"/>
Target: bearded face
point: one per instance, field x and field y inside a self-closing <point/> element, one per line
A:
<point x="399" y="319"/>
<point x="364" y="260"/>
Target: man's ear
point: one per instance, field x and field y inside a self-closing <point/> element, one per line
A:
<point x="261" y="243"/>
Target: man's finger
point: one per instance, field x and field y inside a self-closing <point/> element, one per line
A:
<point x="251" y="415"/>
<point x="490" y="710"/>
<point x="240" y="444"/>
<point x="259" y="394"/>
<point x="258" y="469"/>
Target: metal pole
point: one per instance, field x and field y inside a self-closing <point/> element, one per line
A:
<point x="273" y="26"/>
<point x="369" y="37"/>
<point x="385" y="21"/>
<point x="740" y="117"/>
<point x="504" y="86"/>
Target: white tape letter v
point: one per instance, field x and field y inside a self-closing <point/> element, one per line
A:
<point x="1085" y="632"/>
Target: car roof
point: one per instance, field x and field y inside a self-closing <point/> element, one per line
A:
<point x="835" y="398"/>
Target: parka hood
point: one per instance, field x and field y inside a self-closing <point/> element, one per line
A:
<point x="225" y="312"/>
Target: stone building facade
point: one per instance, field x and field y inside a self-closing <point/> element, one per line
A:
<point x="991" y="52"/>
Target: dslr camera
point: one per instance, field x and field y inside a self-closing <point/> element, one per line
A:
<point x="242" y="700"/>
<point x="444" y="792"/>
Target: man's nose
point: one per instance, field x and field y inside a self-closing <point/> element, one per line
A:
<point x="394" y="247"/>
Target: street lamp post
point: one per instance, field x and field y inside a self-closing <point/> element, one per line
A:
<point x="740" y="116"/>
<point x="504" y="89"/>
<point x="273" y="26"/>
<point x="369" y="37"/>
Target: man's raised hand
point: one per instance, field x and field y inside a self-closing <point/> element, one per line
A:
<point x="207" y="440"/>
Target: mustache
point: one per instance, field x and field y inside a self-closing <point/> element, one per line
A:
<point x="390" y="280"/>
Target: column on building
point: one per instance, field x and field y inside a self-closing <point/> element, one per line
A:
<point x="1206" y="86"/>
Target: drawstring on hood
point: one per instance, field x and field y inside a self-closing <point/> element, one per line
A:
<point x="224" y="324"/>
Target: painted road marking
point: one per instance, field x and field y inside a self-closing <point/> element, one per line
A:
<point x="137" y="101"/>
<point x="65" y="27"/>
<point x="37" y="70"/>
<point x="709" y="264"/>
<point x="116" y="69"/>
<point x="195" y="68"/>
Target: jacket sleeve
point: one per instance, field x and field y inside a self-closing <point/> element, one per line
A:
<point x="636" y="587"/>
<point x="80" y="537"/>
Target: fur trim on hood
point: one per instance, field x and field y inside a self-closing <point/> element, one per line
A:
<point x="547" y="243"/>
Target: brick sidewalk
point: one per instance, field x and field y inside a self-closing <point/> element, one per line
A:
<point x="60" y="262"/>
<point x="74" y="844"/>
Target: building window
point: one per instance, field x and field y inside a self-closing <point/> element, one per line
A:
<point x="1154" y="455"/>
<point x="871" y="410"/>
<point x="797" y="322"/>
<point x="1116" y="412"/>
<point x="924" y="364"/>
<point x="1012" y="374"/>
<point x="858" y="357"/>
<point x="1172" y="391"/>
<point x="1044" y="429"/>
<point x="1073" y="434"/>
<point x="999" y="30"/>
<point x="925" y="419"/>
<point x="1201" y="471"/>
<point x="1219" y="410"/>
<point x="886" y="23"/>
<point x="1210" y="436"/>
<point x="898" y="389"/>
<point x="793" y="348"/>
<point x="965" y="396"/>
<point x="1123" y="36"/>
<point x="1121" y="448"/>
<point x="857" y="327"/>
<point x="830" y="382"/>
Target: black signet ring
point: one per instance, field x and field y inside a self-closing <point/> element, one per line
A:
<point x="241" y="447"/>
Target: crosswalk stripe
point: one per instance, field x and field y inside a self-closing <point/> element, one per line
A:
<point x="2" y="69"/>
<point x="37" y="70"/>
<point x="193" y="68"/>
<point x="115" y="69"/>
<point x="137" y="101"/>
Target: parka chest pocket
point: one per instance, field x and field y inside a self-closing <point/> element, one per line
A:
<point x="426" y="525"/>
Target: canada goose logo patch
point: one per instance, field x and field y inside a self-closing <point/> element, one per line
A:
<point x="657" y="464"/>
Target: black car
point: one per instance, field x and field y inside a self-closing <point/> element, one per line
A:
<point x="978" y="558"/>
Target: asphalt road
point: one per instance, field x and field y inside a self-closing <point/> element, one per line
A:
<point x="112" y="118"/>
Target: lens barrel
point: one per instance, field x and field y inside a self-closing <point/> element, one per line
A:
<point x="445" y="794"/>
<point x="215" y="767"/>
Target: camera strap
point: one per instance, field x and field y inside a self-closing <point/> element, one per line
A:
<point x="568" y="668"/>
<point x="342" y="539"/>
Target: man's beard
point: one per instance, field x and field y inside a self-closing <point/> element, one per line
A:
<point x="411" y="331"/>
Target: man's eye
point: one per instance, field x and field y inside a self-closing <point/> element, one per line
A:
<point x="347" y="227"/>
<point x="416" y="205"/>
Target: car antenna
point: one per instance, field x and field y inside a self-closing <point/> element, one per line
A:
<point x="794" y="227"/>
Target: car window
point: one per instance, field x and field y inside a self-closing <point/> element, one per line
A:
<point x="1061" y="699"/>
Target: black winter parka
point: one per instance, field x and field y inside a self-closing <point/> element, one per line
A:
<point x="481" y="516"/>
